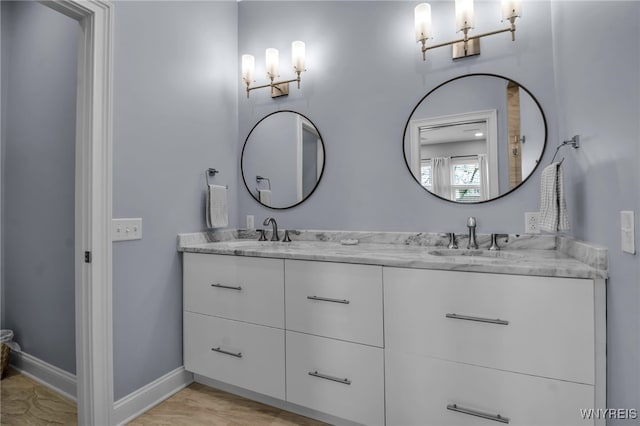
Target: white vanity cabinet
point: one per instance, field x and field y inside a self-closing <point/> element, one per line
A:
<point x="375" y="345"/>
<point x="234" y="321"/>
<point x="335" y="356"/>
<point x="249" y="289"/>
<point x="235" y="331"/>
<point x="460" y="345"/>
<point x="337" y="300"/>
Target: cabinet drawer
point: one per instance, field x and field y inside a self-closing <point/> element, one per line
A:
<point x="441" y="313"/>
<point x="342" y="301"/>
<point x="419" y="390"/>
<point x="245" y="355"/>
<point x="235" y="287"/>
<point x="317" y="368"/>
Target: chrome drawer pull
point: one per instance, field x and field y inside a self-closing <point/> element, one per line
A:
<point x="326" y="299"/>
<point x="495" y="418"/>
<point x="467" y="318"/>
<point x="227" y="286"/>
<point x="333" y="379"/>
<point x="237" y="355"/>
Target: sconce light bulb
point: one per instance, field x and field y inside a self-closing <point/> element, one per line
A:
<point x="272" y="59"/>
<point x="465" y="18"/>
<point x="422" y="18"/>
<point x="248" y="68"/>
<point x="298" y="56"/>
<point x="511" y="9"/>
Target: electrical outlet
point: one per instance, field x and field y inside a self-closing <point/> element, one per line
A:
<point x="627" y="231"/>
<point x="126" y="229"/>
<point x="531" y="222"/>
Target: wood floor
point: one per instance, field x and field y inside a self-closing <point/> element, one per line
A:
<point x="26" y="402"/>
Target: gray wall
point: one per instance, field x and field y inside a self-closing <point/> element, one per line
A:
<point x="366" y="75"/>
<point x="599" y="98"/>
<point x="39" y="50"/>
<point x="175" y="115"/>
<point x="364" y="78"/>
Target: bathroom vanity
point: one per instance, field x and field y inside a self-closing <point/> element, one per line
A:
<point x="398" y="330"/>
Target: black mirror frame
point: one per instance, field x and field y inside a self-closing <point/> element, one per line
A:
<point x="544" y="146"/>
<point x="324" y="161"/>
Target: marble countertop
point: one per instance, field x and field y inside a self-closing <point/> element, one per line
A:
<point x="550" y="257"/>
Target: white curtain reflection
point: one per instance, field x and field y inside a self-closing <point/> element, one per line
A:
<point x="441" y="172"/>
<point x="484" y="177"/>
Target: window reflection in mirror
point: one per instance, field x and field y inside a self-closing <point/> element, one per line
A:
<point x="474" y="138"/>
<point x="282" y="159"/>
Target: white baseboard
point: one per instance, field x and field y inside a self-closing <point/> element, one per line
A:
<point x="125" y="409"/>
<point x="145" y="398"/>
<point x="42" y="372"/>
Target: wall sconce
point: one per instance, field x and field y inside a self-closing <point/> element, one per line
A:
<point x="278" y="88"/>
<point x="466" y="46"/>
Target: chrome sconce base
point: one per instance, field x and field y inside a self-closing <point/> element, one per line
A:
<point x="464" y="49"/>
<point x="278" y="88"/>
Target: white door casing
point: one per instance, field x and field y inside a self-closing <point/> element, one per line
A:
<point x="93" y="210"/>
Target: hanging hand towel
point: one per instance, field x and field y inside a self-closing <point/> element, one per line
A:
<point x="553" y="208"/>
<point x="265" y="196"/>
<point x="216" y="208"/>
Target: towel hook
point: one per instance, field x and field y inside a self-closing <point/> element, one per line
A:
<point x="574" y="142"/>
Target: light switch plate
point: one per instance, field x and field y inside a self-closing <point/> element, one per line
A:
<point x="627" y="232"/>
<point x="126" y="229"/>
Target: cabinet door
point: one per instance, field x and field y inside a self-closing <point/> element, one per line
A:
<point x="533" y="325"/>
<point x="423" y="391"/>
<point x="337" y="300"/>
<point x="245" y="355"/>
<point x="339" y="378"/>
<point x="242" y="288"/>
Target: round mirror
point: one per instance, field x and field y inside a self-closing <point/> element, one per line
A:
<point x="475" y="138"/>
<point x="282" y="159"/>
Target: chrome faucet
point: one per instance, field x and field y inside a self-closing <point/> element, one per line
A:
<point x="471" y="224"/>
<point x="272" y="221"/>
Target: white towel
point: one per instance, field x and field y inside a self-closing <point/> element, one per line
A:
<point x="264" y="195"/>
<point x="216" y="208"/>
<point x="553" y="208"/>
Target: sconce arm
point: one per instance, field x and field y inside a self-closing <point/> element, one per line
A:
<point x="465" y="39"/>
<point x="275" y="83"/>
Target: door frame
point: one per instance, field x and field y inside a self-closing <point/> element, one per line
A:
<point x="93" y="208"/>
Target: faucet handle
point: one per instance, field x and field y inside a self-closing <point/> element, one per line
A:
<point x="452" y="241"/>
<point x="494" y="241"/>
<point x="262" y="236"/>
<point x="286" y="238"/>
<point x="471" y="222"/>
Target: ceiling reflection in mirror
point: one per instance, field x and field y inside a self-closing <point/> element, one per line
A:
<point x="475" y="138"/>
<point x="282" y="159"/>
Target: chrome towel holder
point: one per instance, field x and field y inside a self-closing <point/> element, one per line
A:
<point x="574" y="142"/>
<point x="211" y="172"/>
<point x="260" y="179"/>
